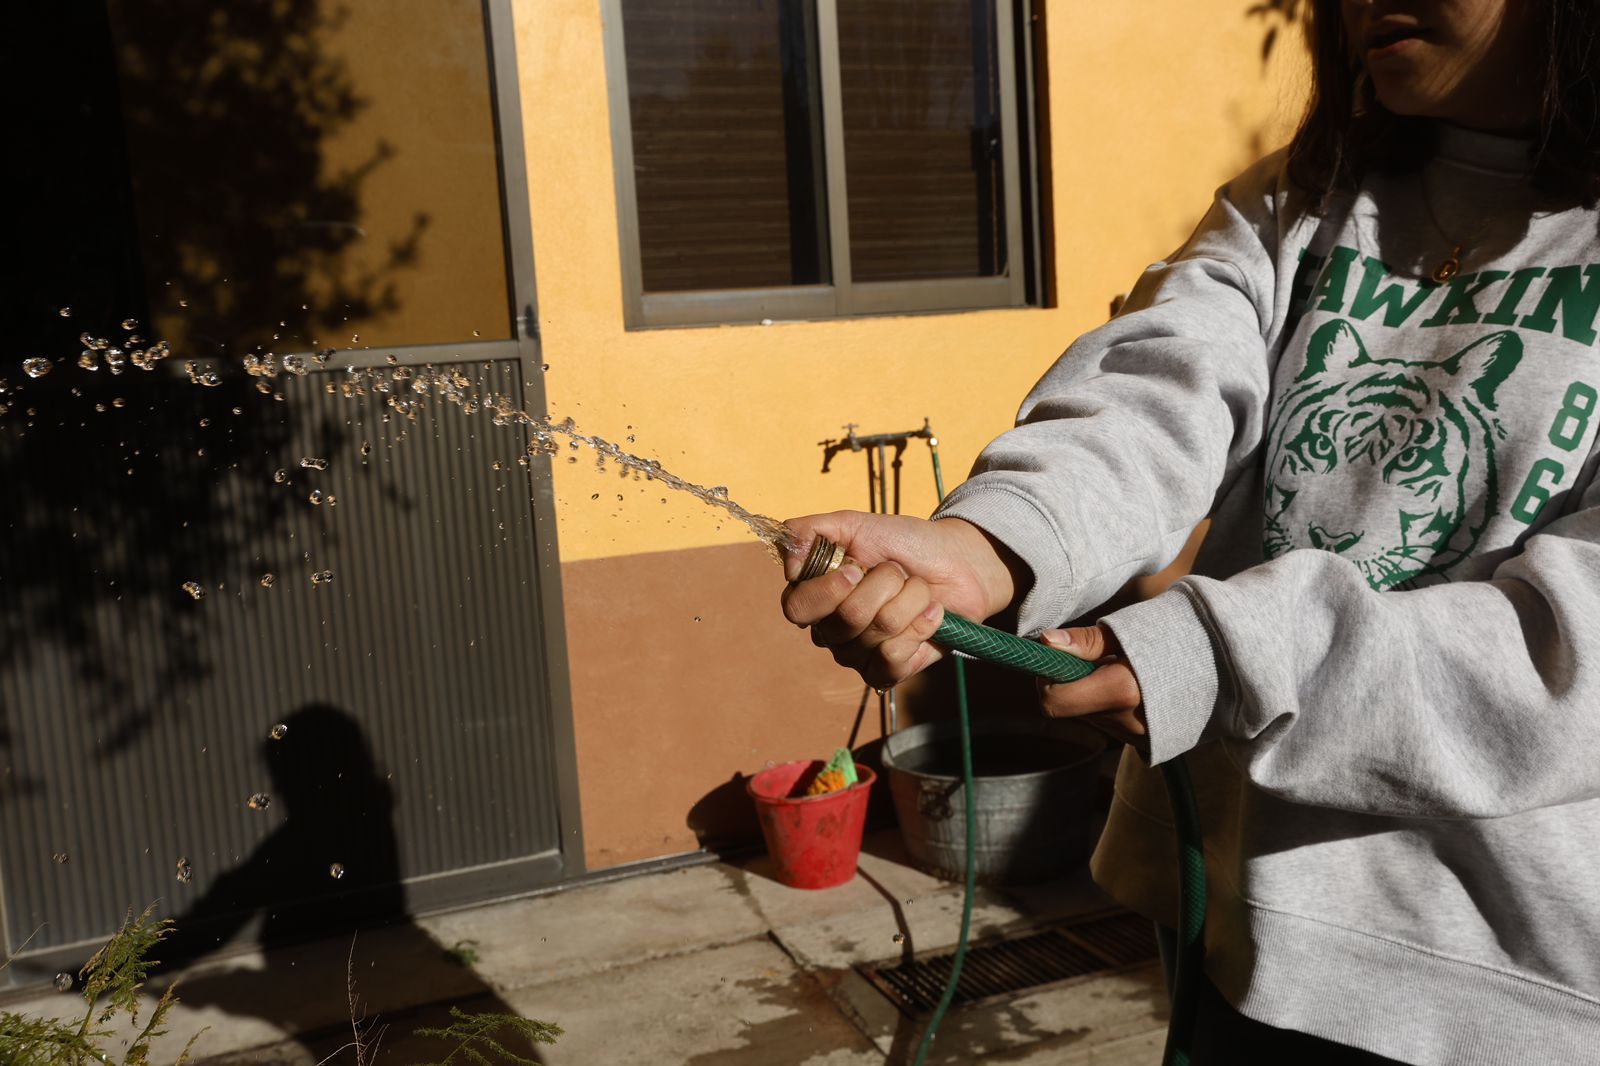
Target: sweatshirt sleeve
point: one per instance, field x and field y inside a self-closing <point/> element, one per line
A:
<point x="1470" y="700"/>
<point x="1124" y="444"/>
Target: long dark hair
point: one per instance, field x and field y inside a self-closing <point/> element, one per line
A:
<point x="1346" y="132"/>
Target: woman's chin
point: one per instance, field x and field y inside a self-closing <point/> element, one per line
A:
<point x="1400" y="96"/>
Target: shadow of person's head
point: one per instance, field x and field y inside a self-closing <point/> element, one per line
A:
<point x="322" y="768"/>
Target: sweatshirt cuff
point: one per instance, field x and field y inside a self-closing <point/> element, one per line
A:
<point x="1014" y="519"/>
<point x="1174" y="656"/>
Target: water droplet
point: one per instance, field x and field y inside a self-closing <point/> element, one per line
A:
<point x="498" y="465"/>
<point x="316" y="496"/>
<point x="101" y="408"/>
<point x="392" y="360"/>
<point x="336" y="870"/>
<point x="366" y="449"/>
<point x="572" y="458"/>
<point x="130" y="323"/>
<point x="475" y="333"/>
<point x="697" y="618"/>
<point x="238" y="410"/>
<point x="260" y="801"/>
<point x="310" y="463"/>
<point x="204" y="422"/>
<point x="65" y="312"/>
<point x="185" y="872"/>
<point x="766" y="321"/>
<point x="87" y="361"/>
<point x="119" y="402"/>
<point x="596" y="496"/>
<point x="279" y="731"/>
<point x="183" y="303"/>
<point x="899" y="938"/>
<point x="544" y="366"/>
<point x="719" y="492"/>
<point x="36" y="367"/>
<point x="59" y="858"/>
<point x="63" y="982"/>
<point x="280" y="476"/>
<point x="322" y="577"/>
<point x="267" y="581"/>
<point x="354" y="337"/>
<point x="631" y="438"/>
<point x="194" y="589"/>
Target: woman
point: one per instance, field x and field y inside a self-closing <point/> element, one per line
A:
<point x="1373" y="367"/>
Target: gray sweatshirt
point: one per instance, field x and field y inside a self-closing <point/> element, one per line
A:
<point x="1385" y="672"/>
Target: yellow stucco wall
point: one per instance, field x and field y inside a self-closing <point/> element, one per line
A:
<point x="1151" y="106"/>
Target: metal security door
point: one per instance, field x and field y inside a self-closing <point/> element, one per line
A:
<point x="284" y="651"/>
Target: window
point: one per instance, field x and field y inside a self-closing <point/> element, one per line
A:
<point x="810" y="158"/>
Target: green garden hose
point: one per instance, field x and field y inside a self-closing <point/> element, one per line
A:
<point x="1004" y="649"/>
<point x="969" y="638"/>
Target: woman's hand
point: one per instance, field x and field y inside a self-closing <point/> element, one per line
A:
<point x="877" y="614"/>
<point x="1108" y="699"/>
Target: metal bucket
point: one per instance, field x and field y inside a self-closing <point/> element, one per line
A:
<point x="1033" y="793"/>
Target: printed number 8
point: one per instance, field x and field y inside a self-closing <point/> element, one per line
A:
<point x="1572" y="421"/>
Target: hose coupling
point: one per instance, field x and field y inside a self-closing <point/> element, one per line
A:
<point x="825" y="557"/>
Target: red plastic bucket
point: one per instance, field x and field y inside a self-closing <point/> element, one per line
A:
<point x="814" y="841"/>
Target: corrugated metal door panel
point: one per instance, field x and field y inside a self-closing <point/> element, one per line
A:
<point x="418" y="666"/>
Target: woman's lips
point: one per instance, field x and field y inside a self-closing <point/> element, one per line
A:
<point x="1393" y="41"/>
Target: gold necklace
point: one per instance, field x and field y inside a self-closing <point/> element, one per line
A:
<point x="1451" y="266"/>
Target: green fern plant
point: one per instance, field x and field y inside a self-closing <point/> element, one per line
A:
<point x="477" y="1036"/>
<point x="111" y="981"/>
<point x="113" y="977"/>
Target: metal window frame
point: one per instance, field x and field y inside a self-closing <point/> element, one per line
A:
<point x="843" y="297"/>
<point x="529" y="873"/>
<point x="517" y="223"/>
<point x="521" y="875"/>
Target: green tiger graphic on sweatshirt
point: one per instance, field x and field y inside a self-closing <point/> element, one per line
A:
<point x="1416" y="439"/>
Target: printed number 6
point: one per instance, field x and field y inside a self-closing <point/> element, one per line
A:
<point x="1535" y="494"/>
<point x="1572" y="421"/>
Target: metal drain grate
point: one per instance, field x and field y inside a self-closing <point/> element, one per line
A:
<point x="1004" y="969"/>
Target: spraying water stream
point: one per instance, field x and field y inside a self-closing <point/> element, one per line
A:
<point x="407" y="391"/>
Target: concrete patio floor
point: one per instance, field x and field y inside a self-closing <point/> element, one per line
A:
<point x="709" y="965"/>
